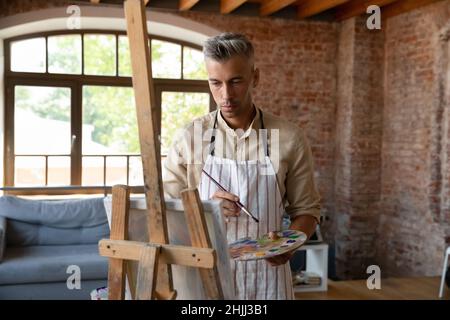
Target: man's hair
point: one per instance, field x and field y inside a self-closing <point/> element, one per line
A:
<point x="226" y="45"/>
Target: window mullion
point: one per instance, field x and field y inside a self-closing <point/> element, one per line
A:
<point x="9" y="158"/>
<point x="117" y="55"/>
<point x="82" y="53"/>
<point x="46" y="55"/>
<point x="182" y="62"/>
<point x="76" y="143"/>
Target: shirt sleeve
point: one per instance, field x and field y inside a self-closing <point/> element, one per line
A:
<point x="301" y="192"/>
<point x="174" y="172"/>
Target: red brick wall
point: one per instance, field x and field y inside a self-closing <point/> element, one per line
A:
<point x="358" y="146"/>
<point x="411" y="231"/>
<point x="10" y="7"/>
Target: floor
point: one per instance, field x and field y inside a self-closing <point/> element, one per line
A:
<point x="426" y="288"/>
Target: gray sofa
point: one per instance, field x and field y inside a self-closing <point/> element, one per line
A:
<point x="42" y="242"/>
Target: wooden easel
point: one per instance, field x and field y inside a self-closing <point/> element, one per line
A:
<point x="154" y="278"/>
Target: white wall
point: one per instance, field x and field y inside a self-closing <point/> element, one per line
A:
<point x="91" y="17"/>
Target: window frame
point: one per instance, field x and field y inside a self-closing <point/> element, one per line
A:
<point x="76" y="82"/>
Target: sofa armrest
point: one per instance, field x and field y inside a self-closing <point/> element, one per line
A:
<point x="2" y="237"/>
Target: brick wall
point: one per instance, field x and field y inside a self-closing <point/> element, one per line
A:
<point x="8" y="7"/>
<point x="358" y="146"/>
<point x="339" y="225"/>
<point x="375" y="107"/>
<point x="411" y="231"/>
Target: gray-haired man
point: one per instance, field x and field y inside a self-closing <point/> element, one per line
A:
<point x="242" y="162"/>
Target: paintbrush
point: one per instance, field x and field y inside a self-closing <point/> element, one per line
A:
<point x="238" y="203"/>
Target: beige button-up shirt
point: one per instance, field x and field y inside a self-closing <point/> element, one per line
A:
<point x="289" y="153"/>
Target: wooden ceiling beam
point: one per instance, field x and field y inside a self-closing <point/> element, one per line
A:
<point x="357" y="7"/>
<point x="227" y="6"/>
<point x="272" y="6"/>
<point x="98" y="1"/>
<point x="403" y="6"/>
<point x="187" y="4"/>
<point x="309" y="8"/>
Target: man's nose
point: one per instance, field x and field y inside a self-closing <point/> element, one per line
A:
<point x="227" y="92"/>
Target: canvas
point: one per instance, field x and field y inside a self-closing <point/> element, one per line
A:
<point x="186" y="280"/>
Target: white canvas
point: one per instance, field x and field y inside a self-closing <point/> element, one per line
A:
<point x="186" y="280"/>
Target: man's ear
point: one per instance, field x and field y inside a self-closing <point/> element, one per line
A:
<point x="255" y="77"/>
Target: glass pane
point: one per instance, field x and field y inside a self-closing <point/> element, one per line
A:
<point x="58" y="171"/>
<point x="136" y="172"/>
<point x="109" y="121"/>
<point x="64" y="54"/>
<point x="100" y="54"/>
<point x="178" y="109"/>
<point x="193" y="64"/>
<point x="166" y="60"/>
<point x="124" y="57"/>
<point x="42" y="120"/>
<point x="116" y="170"/>
<point x="92" y="172"/>
<point x="29" y="171"/>
<point x="22" y="60"/>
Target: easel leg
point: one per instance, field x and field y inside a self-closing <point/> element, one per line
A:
<point x="148" y="134"/>
<point x="119" y="231"/>
<point x="198" y="231"/>
<point x="147" y="273"/>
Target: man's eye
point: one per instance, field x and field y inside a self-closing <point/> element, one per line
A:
<point x="215" y="84"/>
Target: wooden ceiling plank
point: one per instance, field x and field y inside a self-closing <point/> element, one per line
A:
<point x="187" y="4"/>
<point x="227" y="6"/>
<point x="403" y="6"/>
<point x="357" y="7"/>
<point x="272" y="6"/>
<point x="309" y="8"/>
<point x="98" y="1"/>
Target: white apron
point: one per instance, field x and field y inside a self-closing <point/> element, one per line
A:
<point x="255" y="183"/>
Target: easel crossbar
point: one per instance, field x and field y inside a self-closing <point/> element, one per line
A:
<point x="170" y="254"/>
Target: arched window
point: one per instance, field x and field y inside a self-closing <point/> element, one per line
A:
<point x="70" y="113"/>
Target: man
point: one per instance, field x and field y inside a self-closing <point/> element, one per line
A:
<point x="270" y="175"/>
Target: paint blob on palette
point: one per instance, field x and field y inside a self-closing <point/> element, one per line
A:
<point x="267" y="246"/>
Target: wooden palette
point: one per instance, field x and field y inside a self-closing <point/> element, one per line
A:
<point x="265" y="247"/>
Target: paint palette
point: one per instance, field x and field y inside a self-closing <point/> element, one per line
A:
<point x="267" y="246"/>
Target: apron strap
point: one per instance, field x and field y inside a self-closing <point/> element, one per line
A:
<point x="213" y="136"/>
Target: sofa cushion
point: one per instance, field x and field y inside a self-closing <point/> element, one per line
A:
<point x="27" y="234"/>
<point x="50" y="290"/>
<point x="2" y="236"/>
<point x="36" y="264"/>
<point x="73" y="213"/>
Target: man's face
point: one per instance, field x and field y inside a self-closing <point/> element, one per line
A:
<point x="231" y="83"/>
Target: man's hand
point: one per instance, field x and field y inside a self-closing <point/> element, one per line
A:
<point x="230" y="208"/>
<point x="304" y="223"/>
<point x="280" y="259"/>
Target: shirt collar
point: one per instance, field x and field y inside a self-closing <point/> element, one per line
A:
<point x="255" y="124"/>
